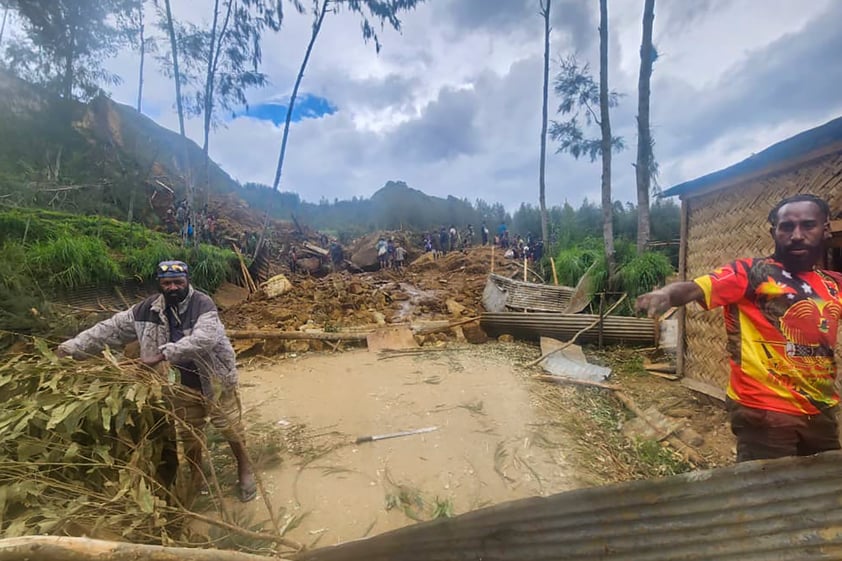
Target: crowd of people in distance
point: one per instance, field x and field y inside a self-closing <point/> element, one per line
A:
<point x="452" y="239"/>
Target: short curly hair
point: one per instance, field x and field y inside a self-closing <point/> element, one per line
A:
<point x="805" y="197"/>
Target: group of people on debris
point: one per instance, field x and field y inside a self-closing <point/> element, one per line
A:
<point x="452" y="239"/>
<point x="390" y="254"/>
<point x="192" y="226"/>
<point x="782" y="315"/>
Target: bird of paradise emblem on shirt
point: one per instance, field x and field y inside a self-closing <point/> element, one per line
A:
<point x="811" y="322"/>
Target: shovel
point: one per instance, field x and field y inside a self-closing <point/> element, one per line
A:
<point x="372" y="438"/>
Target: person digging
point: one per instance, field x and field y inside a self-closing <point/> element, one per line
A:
<point x="181" y="327"/>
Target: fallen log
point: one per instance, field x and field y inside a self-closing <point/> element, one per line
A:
<point x="63" y="548"/>
<point x="566" y="380"/>
<point x="436" y="328"/>
<point x="334" y="335"/>
<point x="289" y="335"/>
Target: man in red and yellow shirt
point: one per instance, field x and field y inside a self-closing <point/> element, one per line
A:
<point x="781" y="316"/>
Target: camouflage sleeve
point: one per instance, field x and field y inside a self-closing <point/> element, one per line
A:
<point x="206" y="334"/>
<point x="112" y="332"/>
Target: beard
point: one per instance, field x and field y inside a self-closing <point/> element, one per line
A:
<point x="798" y="263"/>
<point x="175" y="297"/>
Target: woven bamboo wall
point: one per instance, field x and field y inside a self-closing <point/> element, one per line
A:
<point x="730" y="223"/>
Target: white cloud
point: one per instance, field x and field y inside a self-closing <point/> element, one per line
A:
<point x="452" y="105"/>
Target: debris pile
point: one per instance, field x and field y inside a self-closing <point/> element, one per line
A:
<point x="429" y="288"/>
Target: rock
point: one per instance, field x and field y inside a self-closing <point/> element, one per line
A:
<point x="310" y="264"/>
<point x="297" y="346"/>
<point x="474" y="334"/>
<point x="455" y="308"/>
<point x="317" y="345"/>
<point x="379" y="318"/>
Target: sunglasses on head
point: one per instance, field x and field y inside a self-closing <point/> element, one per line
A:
<point x="174" y="267"/>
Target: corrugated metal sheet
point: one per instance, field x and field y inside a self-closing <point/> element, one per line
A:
<point x="521" y="295"/>
<point x="615" y="329"/>
<point x="774" y="510"/>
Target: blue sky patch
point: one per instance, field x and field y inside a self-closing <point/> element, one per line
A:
<point x="307" y="106"/>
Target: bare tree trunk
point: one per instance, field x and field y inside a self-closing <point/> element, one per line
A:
<point x="216" y="40"/>
<point x="176" y="73"/>
<point x="644" y="135"/>
<point x="142" y="57"/>
<point x="545" y="12"/>
<point x="3" y="26"/>
<point x="317" y="26"/>
<point x="68" y="69"/>
<point x="188" y="173"/>
<point x="605" y="122"/>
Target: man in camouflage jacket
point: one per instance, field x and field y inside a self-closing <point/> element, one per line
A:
<point x="181" y="326"/>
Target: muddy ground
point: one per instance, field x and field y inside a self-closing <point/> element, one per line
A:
<point x="501" y="434"/>
<point x="491" y="442"/>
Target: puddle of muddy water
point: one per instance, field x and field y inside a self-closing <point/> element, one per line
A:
<point x="485" y="450"/>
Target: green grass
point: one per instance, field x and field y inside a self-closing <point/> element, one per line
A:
<point x="66" y="251"/>
<point x="636" y="274"/>
<point x="46" y="253"/>
<point x="72" y="262"/>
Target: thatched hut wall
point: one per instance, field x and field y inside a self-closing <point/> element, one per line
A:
<point x="727" y="222"/>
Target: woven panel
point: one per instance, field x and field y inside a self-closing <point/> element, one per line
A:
<point x="731" y="223"/>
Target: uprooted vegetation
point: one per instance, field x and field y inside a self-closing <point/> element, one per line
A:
<point x="89" y="449"/>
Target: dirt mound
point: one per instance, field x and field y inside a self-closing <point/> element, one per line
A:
<point x="342" y="300"/>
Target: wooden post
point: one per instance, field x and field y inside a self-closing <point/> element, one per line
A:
<point x="524" y="268"/>
<point x="555" y="274"/>
<point x="601" y="313"/>
<point x="492" y="258"/>
<point x="681" y="347"/>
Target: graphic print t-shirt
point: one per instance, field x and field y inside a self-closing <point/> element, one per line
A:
<point x="782" y="329"/>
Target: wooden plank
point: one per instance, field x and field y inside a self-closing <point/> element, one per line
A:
<point x="391" y="338"/>
<point x="705" y="388"/>
<point x="682" y="275"/>
<point x="836" y="226"/>
<point x="670" y="377"/>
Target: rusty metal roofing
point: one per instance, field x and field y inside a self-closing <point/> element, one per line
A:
<point x="772" y="510"/>
<point x="520" y="295"/>
<point x="615" y="329"/>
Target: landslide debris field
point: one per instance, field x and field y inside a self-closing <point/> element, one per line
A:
<point x="501" y="433"/>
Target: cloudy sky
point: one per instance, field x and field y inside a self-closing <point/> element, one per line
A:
<point x="452" y="104"/>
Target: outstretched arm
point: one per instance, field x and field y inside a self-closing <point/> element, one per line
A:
<point x="116" y="330"/>
<point x="676" y="294"/>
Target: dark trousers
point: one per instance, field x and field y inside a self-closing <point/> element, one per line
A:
<point x="763" y="434"/>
